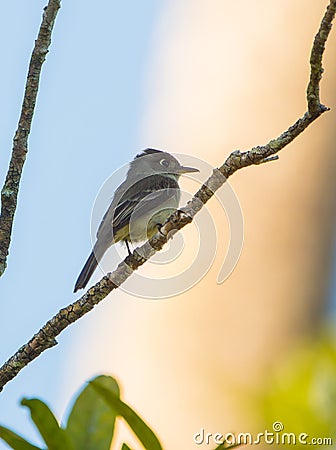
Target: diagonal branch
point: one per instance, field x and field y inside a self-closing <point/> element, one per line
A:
<point x="46" y="337"/>
<point x="10" y="190"/>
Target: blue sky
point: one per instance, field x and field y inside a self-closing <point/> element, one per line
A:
<point x="85" y="127"/>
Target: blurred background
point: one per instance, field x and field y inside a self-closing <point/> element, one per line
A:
<point x="198" y="77"/>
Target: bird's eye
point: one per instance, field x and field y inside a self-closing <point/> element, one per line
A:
<point x="164" y="162"/>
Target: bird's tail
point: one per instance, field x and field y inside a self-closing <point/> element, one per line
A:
<point x="89" y="268"/>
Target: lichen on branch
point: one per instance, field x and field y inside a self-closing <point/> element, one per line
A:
<point x="10" y="190"/>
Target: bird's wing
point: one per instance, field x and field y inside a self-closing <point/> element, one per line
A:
<point x="140" y="204"/>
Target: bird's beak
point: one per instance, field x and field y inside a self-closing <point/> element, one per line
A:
<point x="184" y="169"/>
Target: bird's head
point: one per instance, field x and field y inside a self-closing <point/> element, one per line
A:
<point x="152" y="161"/>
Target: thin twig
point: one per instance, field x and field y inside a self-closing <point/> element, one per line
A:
<point x="316" y="69"/>
<point x="10" y="190"/>
<point x="46" y="337"/>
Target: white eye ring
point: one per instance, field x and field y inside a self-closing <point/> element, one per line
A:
<point x="164" y="162"/>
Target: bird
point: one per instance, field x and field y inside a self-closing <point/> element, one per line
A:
<point x="146" y="198"/>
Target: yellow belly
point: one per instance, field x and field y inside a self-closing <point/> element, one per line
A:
<point x="143" y="228"/>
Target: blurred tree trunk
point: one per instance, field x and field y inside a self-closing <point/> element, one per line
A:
<point x="228" y="75"/>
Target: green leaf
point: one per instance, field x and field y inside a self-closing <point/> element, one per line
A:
<point x="142" y="431"/>
<point x="125" y="447"/>
<point x="15" y="441"/>
<point x="91" y="421"/>
<point x="54" y="436"/>
<point x="224" y="446"/>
